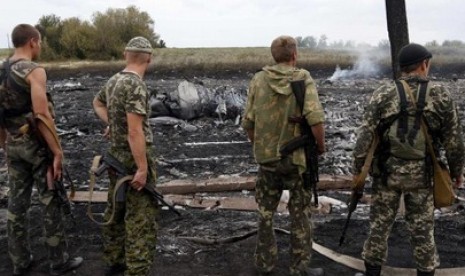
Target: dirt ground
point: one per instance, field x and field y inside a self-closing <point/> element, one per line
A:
<point x="80" y="133"/>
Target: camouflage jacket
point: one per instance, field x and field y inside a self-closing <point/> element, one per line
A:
<point x="270" y="103"/>
<point x="124" y="93"/>
<point x="16" y="103"/>
<point x="440" y="114"/>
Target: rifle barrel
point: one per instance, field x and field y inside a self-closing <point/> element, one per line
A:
<point x="344" y="230"/>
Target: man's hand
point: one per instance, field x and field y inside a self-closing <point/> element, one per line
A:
<point x="106" y="132"/>
<point x="250" y="134"/>
<point x="140" y="180"/>
<point x="318" y="132"/>
<point x="458" y="181"/>
<point x="57" y="166"/>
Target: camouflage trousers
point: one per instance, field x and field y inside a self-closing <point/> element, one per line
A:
<point x="131" y="238"/>
<point x="270" y="183"/>
<point x="419" y="216"/>
<point x="27" y="165"/>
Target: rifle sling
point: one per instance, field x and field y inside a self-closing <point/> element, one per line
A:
<point x="119" y="183"/>
<point x="402" y="126"/>
<point x="424" y="129"/>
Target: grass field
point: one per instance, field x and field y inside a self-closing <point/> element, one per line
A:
<point x="251" y="59"/>
<point x="4" y="53"/>
<point x="218" y="59"/>
<point x="247" y="59"/>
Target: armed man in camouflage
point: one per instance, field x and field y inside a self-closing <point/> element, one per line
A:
<point x="398" y="167"/>
<point x="270" y="103"/>
<point x="22" y="98"/>
<point x="123" y="104"/>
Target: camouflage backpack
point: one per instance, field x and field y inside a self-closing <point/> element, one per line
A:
<point x="406" y="141"/>
<point x="13" y="101"/>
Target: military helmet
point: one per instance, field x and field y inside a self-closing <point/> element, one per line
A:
<point x="139" y="44"/>
<point x="413" y="53"/>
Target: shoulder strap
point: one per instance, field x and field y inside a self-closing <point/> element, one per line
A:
<point x="402" y="126"/>
<point x="298" y="88"/>
<point x="424" y="128"/>
<point x="421" y="103"/>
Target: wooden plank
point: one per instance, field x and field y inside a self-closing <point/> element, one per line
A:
<point x="219" y="184"/>
<point x="97" y="197"/>
<point x="211" y="203"/>
<point x="238" y="183"/>
<point x="206" y="202"/>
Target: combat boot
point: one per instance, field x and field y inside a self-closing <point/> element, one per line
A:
<point x="61" y="269"/>
<point x="317" y="271"/>
<point x="18" y="271"/>
<point x="424" y="273"/>
<point x="115" y="269"/>
<point x="372" y="270"/>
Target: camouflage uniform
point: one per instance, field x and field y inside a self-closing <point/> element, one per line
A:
<point x="131" y="238"/>
<point x="410" y="177"/>
<point x="28" y="160"/>
<point x="270" y="103"/>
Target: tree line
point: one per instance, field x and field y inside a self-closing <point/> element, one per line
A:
<point x="322" y="42"/>
<point x="103" y="38"/>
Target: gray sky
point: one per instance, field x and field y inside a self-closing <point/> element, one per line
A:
<point x="242" y="23"/>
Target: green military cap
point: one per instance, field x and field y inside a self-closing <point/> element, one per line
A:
<point x="139" y="44"/>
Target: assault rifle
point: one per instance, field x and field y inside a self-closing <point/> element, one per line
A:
<point x="306" y="140"/>
<point x="358" y="186"/>
<point x="110" y="162"/>
<point x="58" y="188"/>
<point x="354" y="200"/>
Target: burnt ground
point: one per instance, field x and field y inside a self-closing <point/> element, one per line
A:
<point x="179" y="158"/>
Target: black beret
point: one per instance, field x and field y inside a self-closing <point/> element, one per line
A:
<point x="413" y="53"/>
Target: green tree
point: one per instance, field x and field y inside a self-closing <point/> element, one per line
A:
<point x="384" y="44"/>
<point x="309" y="42"/>
<point x="432" y="44"/>
<point x="102" y="38"/>
<point x="50" y="27"/>
<point x="161" y="44"/>
<point x="115" y="27"/>
<point x="453" y="43"/>
<point x="298" y="39"/>
<point x="323" y="42"/>
<point x="77" y="38"/>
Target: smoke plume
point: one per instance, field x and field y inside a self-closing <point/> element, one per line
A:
<point x="366" y="66"/>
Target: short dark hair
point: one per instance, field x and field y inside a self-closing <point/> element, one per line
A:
<point x="282" y="48"/>
<point x="22" y="33"/>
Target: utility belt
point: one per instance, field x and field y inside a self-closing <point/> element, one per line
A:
<point x="380" y="170"/>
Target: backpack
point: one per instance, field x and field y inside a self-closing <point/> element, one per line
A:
<point x="405" y="138"/>
<point x="15" y="100"/>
